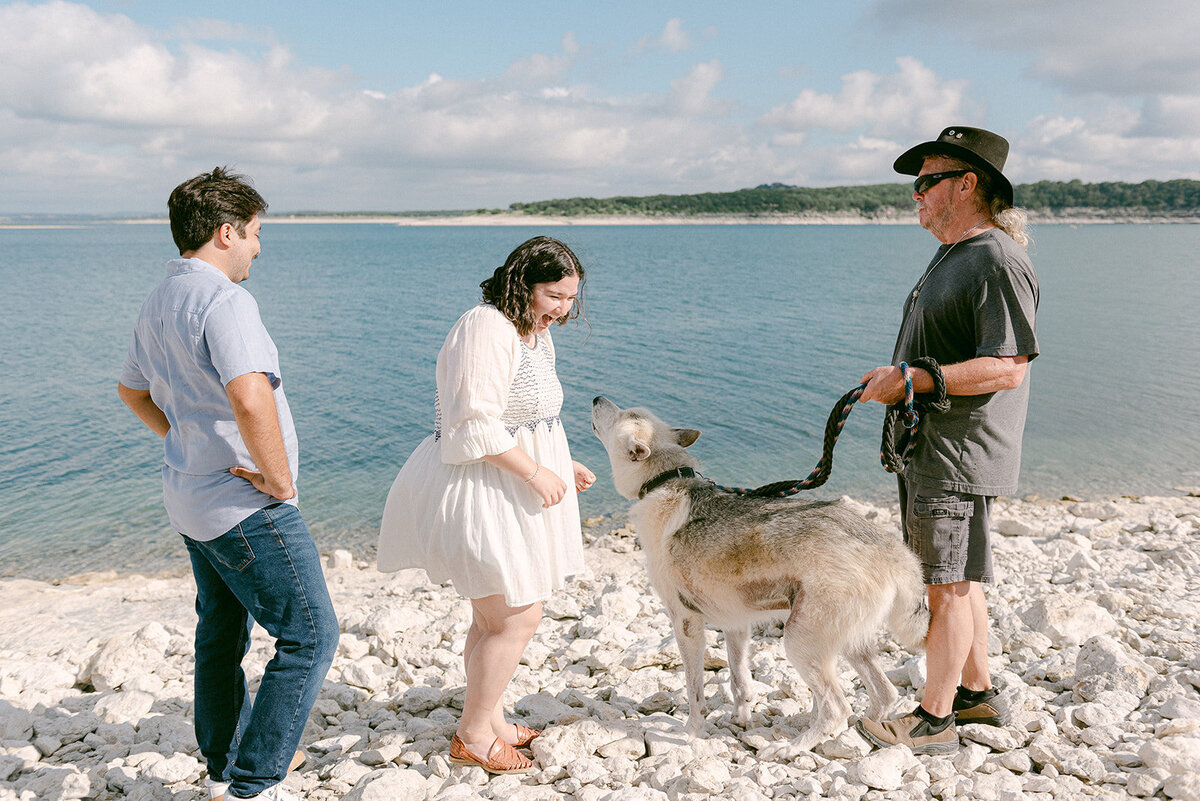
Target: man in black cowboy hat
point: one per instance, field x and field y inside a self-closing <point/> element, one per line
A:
<point x="973" y="312"/>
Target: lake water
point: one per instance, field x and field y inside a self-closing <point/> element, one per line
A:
<point x="749" y="333"/>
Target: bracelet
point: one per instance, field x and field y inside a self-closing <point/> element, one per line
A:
<point x="533" y="475"/>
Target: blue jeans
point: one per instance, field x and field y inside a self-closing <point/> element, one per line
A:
<point x="264" y="569"/>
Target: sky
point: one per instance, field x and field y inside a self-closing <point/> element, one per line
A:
<point x="393" y="105"/>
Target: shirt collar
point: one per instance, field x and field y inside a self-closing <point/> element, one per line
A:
<point x="192" y="265"/>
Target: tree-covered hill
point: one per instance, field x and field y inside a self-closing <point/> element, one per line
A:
<point x="1177" y="196"/>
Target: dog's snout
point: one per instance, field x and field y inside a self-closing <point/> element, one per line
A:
<point x="596" y="401"/>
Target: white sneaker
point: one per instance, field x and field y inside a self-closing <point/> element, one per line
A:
<point x="273" y="793"/>
<point x="217" y="790"/>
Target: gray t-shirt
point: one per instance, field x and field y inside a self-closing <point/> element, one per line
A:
<point x="980" y="300"/>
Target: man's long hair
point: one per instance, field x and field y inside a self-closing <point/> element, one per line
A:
<point x="1009" y="219"/>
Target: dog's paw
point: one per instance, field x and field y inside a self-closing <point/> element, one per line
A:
<point x="785" y="751"/>
<point x="809" y="739"/>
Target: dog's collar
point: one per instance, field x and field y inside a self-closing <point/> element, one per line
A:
<point x="663" y="478"/>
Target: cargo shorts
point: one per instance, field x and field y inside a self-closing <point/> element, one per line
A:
<point x="949" y="533"/>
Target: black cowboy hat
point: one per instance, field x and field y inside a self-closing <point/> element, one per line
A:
<point x="977" y="147"/>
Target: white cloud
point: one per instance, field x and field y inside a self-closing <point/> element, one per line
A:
<point x="692" y="94"/>
<point x="673" y="38"/>
<point x="101" y="96"/>
<point x="1127" y="75"/>
<point x="68" y="63"/>
<point x="101" y="112"/>
<point x="909" y="102"/>
<point x="1061" y="148"/>
<point x="540" y="68"/>
<point x="1106" y="46"/>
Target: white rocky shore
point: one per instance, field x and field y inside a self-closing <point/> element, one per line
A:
<point x="1095" y="620"/>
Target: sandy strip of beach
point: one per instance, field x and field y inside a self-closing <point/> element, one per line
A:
<point x="1095" y="645"/>
<point x="506" y="218"/>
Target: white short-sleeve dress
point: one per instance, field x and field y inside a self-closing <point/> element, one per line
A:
<point x="462" y="519"/>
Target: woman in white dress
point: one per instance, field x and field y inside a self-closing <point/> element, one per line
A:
<point x="488" y="500"/>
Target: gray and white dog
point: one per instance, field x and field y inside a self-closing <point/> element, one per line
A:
<point x="715" y="557"/>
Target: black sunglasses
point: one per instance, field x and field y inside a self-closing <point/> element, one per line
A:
<point x="926" y="182"/>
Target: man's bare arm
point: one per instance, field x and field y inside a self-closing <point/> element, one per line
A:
<point x="140" y="402"/>
<point x="253" y="402"/>
<point x="977" y="376"/>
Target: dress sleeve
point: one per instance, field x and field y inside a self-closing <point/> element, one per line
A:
<point x="475" y="369"/>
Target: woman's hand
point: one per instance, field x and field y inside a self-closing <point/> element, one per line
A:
<point x="549" y="487"/>
<point x="584" y="478"/>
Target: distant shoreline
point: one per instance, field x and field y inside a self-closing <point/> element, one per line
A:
<point x="497" y="219"/>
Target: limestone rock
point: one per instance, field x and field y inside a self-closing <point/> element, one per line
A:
<point x="58" y="784"/>
<point x="847" y="745"/>
<point x="369" y="673"/>
<point x="389" y="784"/>
<point x="177" y="768"/>
<point x="1096" y="511"/>
<point x="1101" y="671"/>
<point x="1015" y="527"/>
<point x="124" y="707"/>
<point x="1068" y="619"/>
<point x="1180" y="707"/>
<point x="884" y="769"/>
<point x="15" y="723"/>
<point x="1184" y="786"/>
<point x="562" y="745"/>
<point x="1105" y="664"/>
<point x="1176" y="754"/>
<point x="126" y="656"/>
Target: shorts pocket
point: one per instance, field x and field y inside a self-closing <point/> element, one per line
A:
<point x="941" y="528"/>
<point x="230" y="549"/>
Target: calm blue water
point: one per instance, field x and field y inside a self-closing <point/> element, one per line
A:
<point x="749" y="333"/>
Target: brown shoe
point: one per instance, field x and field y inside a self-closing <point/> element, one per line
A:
<point x="501" y="757"/>
<point x="911" y="730"/>
<point x="525" y="735"/>
<point x="989" y="710"/>
<point x="298" y="759"/>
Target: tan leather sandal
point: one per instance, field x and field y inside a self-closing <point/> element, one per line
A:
<point x="525" y="735"/>
<point x="501" y="757"/>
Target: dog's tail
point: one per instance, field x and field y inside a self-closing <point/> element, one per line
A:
<point x="909" y="617"/>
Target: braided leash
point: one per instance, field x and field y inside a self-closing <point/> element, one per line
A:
<point x="905" y="413"/>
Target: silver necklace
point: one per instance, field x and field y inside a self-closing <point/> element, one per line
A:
<point x="917" y="292"/>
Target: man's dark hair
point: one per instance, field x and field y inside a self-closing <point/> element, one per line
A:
<point x="201" y="205"/>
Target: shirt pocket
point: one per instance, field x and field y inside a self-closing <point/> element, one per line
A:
<point x="943" y="525"/>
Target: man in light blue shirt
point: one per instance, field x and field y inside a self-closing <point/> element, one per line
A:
<point x="203" y="373"/>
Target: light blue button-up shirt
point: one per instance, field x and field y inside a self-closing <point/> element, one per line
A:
<point x="195" y="333"/>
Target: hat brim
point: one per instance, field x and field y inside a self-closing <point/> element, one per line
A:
<point x="910" y="162"/>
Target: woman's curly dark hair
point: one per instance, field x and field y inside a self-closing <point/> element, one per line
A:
<point x="541" y="260"/>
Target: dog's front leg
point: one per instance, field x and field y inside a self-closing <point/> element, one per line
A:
<point x="689" y="634"/>
<point x="736" y="646"/>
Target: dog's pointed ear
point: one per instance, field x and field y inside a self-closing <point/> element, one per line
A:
<point x="638" y="450"/>
<point x="685" y="436"/>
